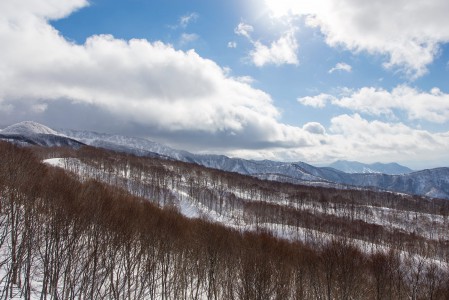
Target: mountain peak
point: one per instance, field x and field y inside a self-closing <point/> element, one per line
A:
<point x="28" y="128"/>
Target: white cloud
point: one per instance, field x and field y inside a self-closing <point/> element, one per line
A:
<point x="432" y="106"/>
<point x="318" y="101"/>
<point x="244" y="79"/>
<point x="232" y="44"/>
<point x="314" y="127"/>
<point x="136" y="81"/>
<point x="408" y="32"/>
<point x="282" y="51"/>
<point x="48" y="9"/>
<point x="185" y="20"/>
<point x="187" y="38"/>
<point x="244" y="30"/>
<point x="352" y="137"/>
<point x="341" y="67"/>
<point x="279" y="52"/>
<point x="356" y="137"/>
<point x="153" y="87"/>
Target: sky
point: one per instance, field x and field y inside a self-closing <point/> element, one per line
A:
<point x="287" y="80"/>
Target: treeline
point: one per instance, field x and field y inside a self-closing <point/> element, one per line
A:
<point x="254" y="188"/>
<point x="65" y="239"/>
<point x="309" y="214"/>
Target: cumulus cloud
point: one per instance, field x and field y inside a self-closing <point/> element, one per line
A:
<point x="341" y="67"/>
<point x="150" y="84"/>
<point x="353" y="137"/>
<point x="318" y="101"/>
<point x="282" y="51"/>
<point x="314" y="127"/>
<point x="409" y="32"/>
<point x="150" y="87"/>
<point x="360" y="138"/>
<point x="432" y="106"/>
<point x="279" y="52"/>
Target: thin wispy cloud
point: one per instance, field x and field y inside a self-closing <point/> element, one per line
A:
<point x="187" y="38"/>
<point x="185" y="20"/>
<point x="341" y="67"/>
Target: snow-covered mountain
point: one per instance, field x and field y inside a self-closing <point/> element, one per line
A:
<point x="121" y="143"/>
<point x="432" y="183"/>
<point x="141" y="146"/>
<point x="32" y="133"/>
<point x="357" y="167"/>
<point x="28" y="128"/>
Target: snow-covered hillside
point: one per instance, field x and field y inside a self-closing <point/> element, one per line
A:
<point x="28" y="128"/>
<point x="370" y="221"/>
<point x="121" y="143"/>
<point x="196" y="192"/>
<point x="431" y="183"/>
<point x="109" y="226"/>
<point x="357" y="167"/>
<point x="31" y="133"/>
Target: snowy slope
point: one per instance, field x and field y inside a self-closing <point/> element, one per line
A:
<point x="31" y="133"/>
<point x="431" y="183"/>
<point x="357" y="167"/>
<point x="141" y="146"/>
<point x="134" y="145"/>
<point x="233" y="215"/>
<point x="28" y="128"/>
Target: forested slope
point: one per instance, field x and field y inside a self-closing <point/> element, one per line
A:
<point x="69" y="236"/>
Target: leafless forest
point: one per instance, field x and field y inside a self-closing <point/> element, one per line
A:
<point x="112" y="226"/>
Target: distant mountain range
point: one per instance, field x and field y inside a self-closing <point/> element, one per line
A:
<point x="357" y="167"/>
<point x="341" y="174"/>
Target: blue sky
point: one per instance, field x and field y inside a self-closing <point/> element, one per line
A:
<point x="284" y="80"/>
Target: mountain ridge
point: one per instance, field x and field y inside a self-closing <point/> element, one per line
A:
<point x="430" y="183"/>
<point x="418" y="182"/>
<point x="36" y="134"/>
<point x="28" y="128"/>
<point x="358" y="167"/>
